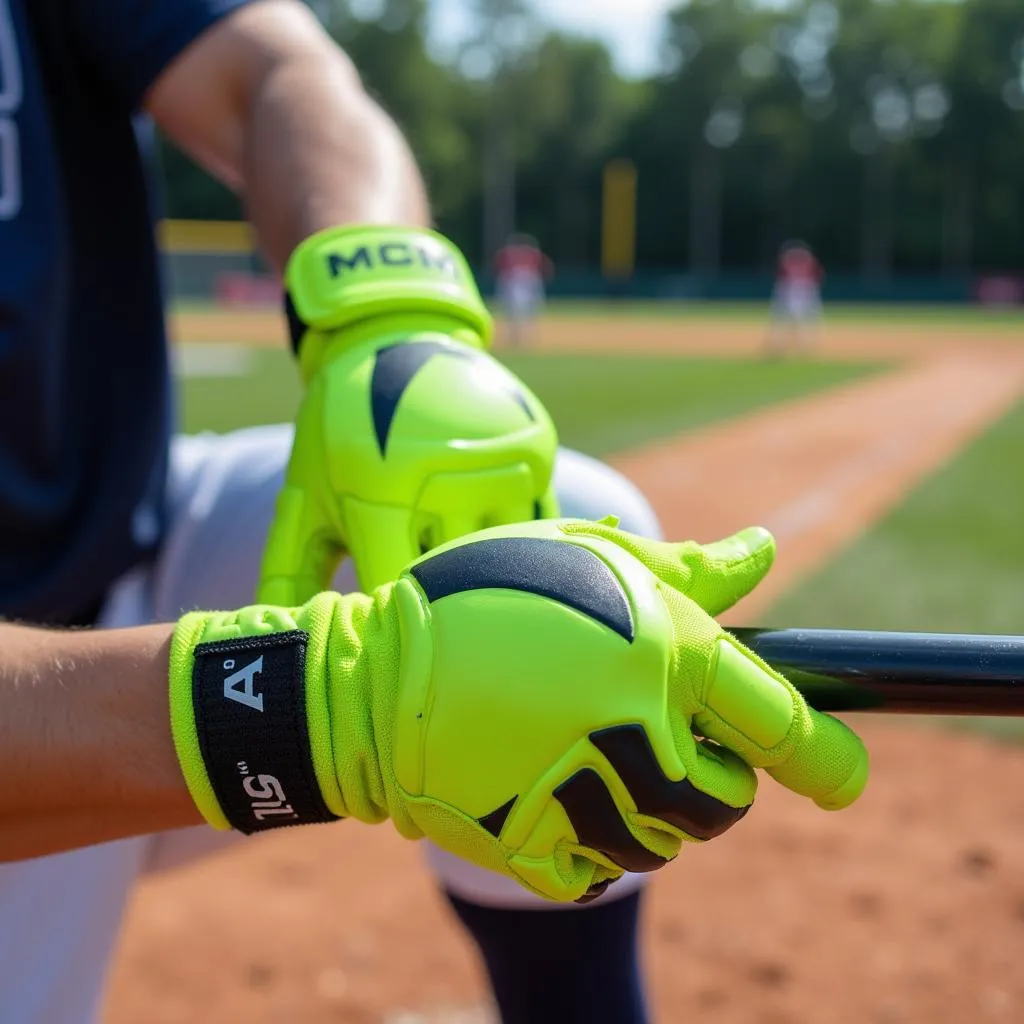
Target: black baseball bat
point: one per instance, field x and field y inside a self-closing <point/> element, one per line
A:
<point x="916" y="673"/>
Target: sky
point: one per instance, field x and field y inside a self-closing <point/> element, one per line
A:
<point x="630" y="27"/>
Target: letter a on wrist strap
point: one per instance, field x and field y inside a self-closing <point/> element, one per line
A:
<point x="249" y="698"/>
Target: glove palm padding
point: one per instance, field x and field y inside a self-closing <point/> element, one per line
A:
<point x="501" y="686"/>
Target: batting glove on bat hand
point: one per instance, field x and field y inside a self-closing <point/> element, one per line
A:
<point x="552" y="701"/>
<point x="410" y="434"/>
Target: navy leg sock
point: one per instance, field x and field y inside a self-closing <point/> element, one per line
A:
<point x="573" y="966"/>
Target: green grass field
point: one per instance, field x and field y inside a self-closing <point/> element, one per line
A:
<point x="949" y="559"/>
<point x="604" y="404"/>
<point x="601" y="403"/>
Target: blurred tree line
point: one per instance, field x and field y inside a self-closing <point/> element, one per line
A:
<point x="889" y="134"/>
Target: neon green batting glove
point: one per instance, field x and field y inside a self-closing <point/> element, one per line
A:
<point x="552" y="701"/>
<point x="410" y="434"/>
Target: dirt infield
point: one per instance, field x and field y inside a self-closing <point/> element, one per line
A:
<point x="708" y="336"/>
<point x="907" y="908"/>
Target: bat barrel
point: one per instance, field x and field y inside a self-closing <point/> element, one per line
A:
<point x="918" y="673"/>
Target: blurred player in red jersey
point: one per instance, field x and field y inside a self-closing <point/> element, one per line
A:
<point x="522" y="270"/>
<point x="796" y="300"/>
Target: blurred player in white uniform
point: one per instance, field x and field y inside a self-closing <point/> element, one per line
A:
<point x="796" y="301"/>
<point x="522" y="271"/>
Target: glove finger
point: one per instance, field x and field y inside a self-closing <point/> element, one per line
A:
<point x="712" y="794"/>
<point x="381" y="540"/>
<point x="456" y="525"/>
<point x="598" y="888"/>
<point x="754" y="712"/>
<point x="717" y="793"/>
<point x="511" y="514"/>
<point x="629" y="840"/>
<point x="384" y="539"/>
<point x="547" y="507"/>
<point x="302" y="550"/>
<point x="728" y="784"/>
<point x="501" y="497"/>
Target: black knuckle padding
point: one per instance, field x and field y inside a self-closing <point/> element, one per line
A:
<point x="599" y="825"/>
<point x="681" y="804"/>
<point x="296" y="325"/>
<point x="394" y="368"/>
<point x="559" y="570"/>
<point x="494" y="822"/>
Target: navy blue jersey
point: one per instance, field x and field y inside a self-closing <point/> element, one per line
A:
<point x="84" y="384"/>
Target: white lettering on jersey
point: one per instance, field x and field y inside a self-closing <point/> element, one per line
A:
<point x="10" y="103"/>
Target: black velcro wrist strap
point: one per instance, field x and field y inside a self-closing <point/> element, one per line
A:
<point x="249" y="697"/>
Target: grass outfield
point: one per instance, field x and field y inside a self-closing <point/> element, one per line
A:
<point x="950" y="559"/>
<point x="601" y="404"/>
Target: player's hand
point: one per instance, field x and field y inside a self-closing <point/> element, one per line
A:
<point x="410" y="435"/>
<point x="552" y="701"/>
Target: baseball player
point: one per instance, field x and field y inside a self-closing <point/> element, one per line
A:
<point x="521" y="270"/>
<point x="796" y="301"/>
<point x="91" y="507"/>
<point x="410" y="436"/>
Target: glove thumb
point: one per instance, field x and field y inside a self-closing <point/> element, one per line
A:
<point x="723" y="572"/>
<point x="714" y="576"/>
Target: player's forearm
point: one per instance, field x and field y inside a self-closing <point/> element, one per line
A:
<point x="319" y="152"/>
<point x="86" y="753"/>
<point x="267" y="101"/>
